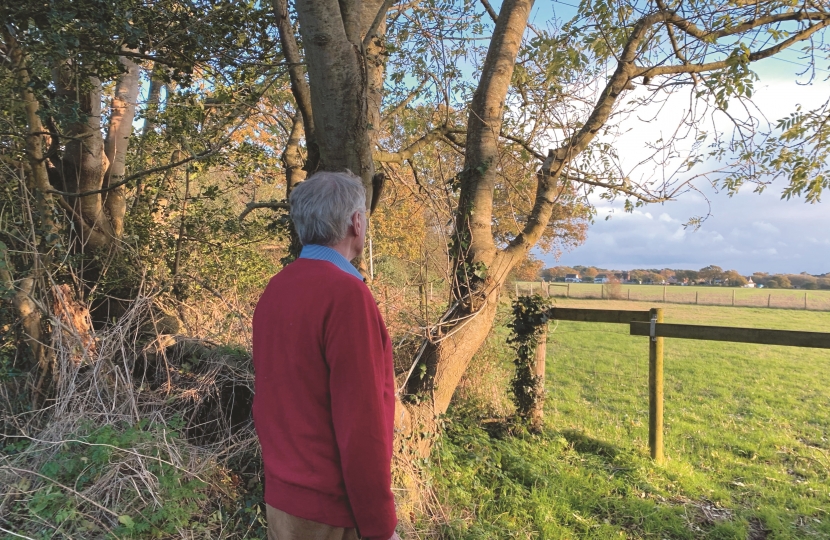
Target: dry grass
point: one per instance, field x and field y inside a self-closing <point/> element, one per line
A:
<point x="117" y="395"/>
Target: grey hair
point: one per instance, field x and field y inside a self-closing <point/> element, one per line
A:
<point x="322" y="206"/>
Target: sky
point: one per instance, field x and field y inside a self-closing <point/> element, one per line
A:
<point x="748" y="232"/>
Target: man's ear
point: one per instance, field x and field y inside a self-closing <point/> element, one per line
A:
<point x="356" y="223"/>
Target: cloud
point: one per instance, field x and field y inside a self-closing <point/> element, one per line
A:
<point x="791" y="237"/>
<point x="763" y="226"/>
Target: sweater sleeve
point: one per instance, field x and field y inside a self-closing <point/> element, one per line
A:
<point x="354" y="349"/>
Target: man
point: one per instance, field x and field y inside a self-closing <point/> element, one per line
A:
<point x="324" y="403"/>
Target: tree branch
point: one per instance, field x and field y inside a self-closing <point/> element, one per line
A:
<point x="299" y="85"/>
<point x="524" y="144"/>
<point x="406" y="101"/>
<point x="407" y="153"/>
<point x="273" y="205"/>
<point x="126" y="179"/>
<point x="753" y="57"/>
<point x="490" y="10"/>
<point x="690" y="28"/>
<point x="370" y="34"/>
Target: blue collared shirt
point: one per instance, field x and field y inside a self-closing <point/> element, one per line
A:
<point x="325" y="253"/>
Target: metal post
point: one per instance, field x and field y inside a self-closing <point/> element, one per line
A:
<point x="655" y="391"/>
<point x="371" y="260"/>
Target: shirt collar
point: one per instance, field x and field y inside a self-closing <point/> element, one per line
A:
<point x="325" y="253"/>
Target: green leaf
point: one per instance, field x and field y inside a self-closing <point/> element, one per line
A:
<point x="126" y="521"/>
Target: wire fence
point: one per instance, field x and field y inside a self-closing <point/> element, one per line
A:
<point x="817" y="300"/>
<point x="597" y="387"/>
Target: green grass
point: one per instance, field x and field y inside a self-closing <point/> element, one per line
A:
<point x="747" y="440"/>
<point x="818" y="300"/>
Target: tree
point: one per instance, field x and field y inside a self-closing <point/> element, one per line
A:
<point x="590" y="272"/>
<point x="527" y="270"/>
<point x="71" y="74"/>
<point x="664" y="45"/>
<point x="711" y="273"/>
<point x="734" y="279"/>
<point x="690" y="275"/>
<point x="779" y="281"/>
<point x="557" y="272"/>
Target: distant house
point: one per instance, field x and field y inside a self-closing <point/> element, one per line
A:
<point x="672" y="280"/>
<point x="623" y="276"/>
<point x="749" y="283"/>
<point x="572" y="278"/>
<point x="601" y="278"/>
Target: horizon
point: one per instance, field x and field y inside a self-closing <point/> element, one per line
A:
<point x="657" y="270"/>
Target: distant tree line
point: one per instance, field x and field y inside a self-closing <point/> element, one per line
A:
<point x="708" y="275"/>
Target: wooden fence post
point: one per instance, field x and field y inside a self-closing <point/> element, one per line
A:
<point x="629" y="294"/>
<point x="805" y="299"/>
<point x="696" y="297"/>
<point x="516" y="283"/>
<point x="733" y="297"/>
<point x="655" y="391"/>
<point x="568" y="292"/>
<point x="769" y="299"/>
<point x="664" y="294"/>
<point x="538" y="412"/>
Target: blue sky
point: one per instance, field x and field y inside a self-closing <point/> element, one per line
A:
<point x="748" y="232"/>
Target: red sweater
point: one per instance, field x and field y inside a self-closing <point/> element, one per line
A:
<point x="324" y="404"/>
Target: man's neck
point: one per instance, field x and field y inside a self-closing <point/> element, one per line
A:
<point x="344" y="247"/>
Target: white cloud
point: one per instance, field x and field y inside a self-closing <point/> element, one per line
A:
<point x="763" y="226"/>
<point x="775" y="243"/>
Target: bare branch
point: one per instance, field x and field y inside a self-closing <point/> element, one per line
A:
<point x="490" y="10"/>
<point x="401" y="156"/>
<point x="524" y="144"/>
<point x="273" y="205"/>
<point x="406" y="101"/>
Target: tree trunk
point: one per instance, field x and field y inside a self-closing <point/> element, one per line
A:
<point x="481" y="270"/>
<point x="84" y="161"/>
<point x="337" y="75"/>
<point x="115" y="146"/>
<point x="475" y="210"/>
<point x="292" y="160"/>
<point x="151" y="111"/>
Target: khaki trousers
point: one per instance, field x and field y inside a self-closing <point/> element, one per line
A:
<point x="282" y="526"/>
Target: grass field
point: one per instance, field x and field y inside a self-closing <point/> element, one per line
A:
<point x="818" y="300"/>
<point x="747" y="440"/>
